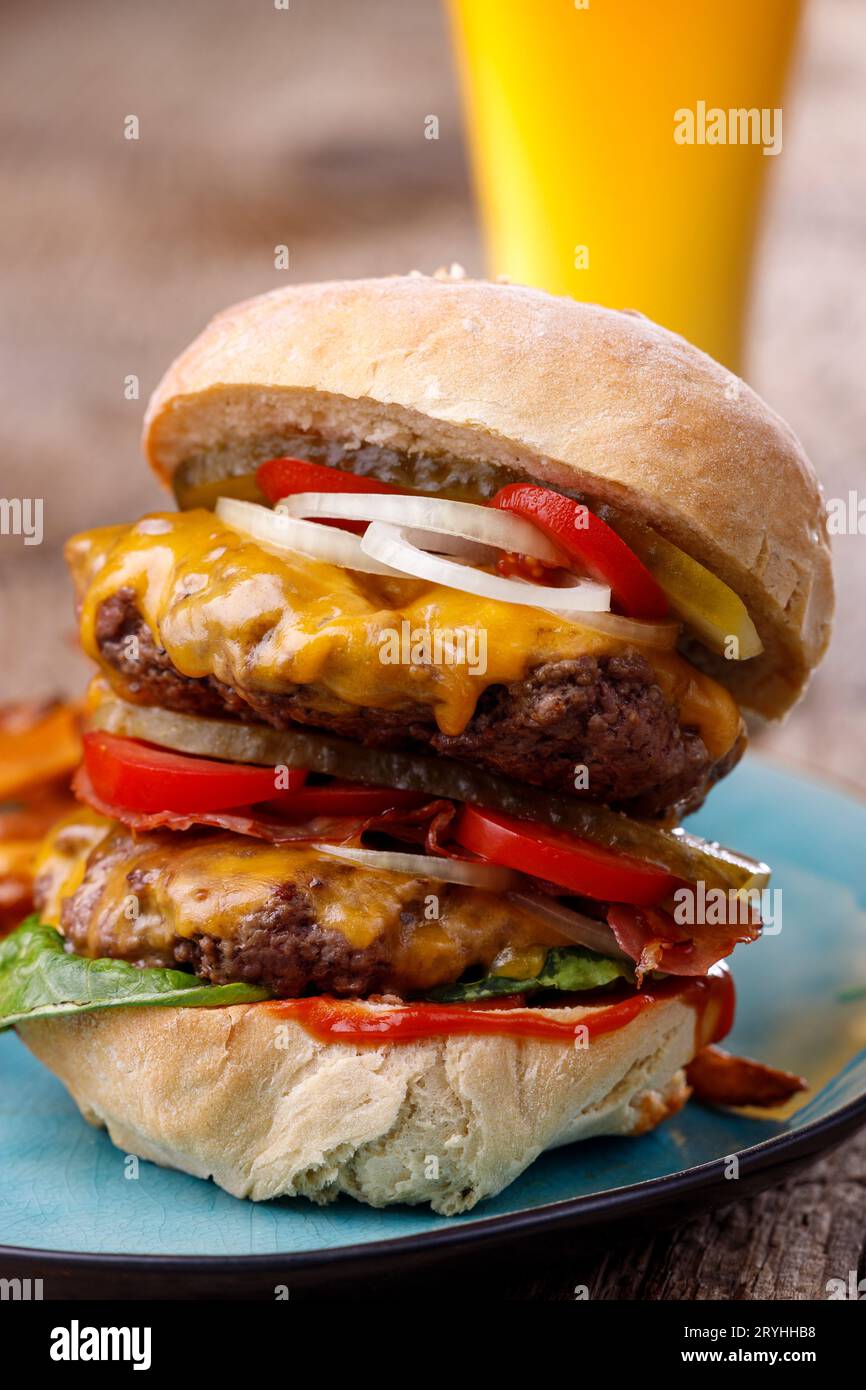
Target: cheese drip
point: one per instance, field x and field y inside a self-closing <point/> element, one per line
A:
<point x="225" y="606"/>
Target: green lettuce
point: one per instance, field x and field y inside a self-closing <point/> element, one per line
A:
<point x="40" y="979"/>
<point x="570" y="968"/>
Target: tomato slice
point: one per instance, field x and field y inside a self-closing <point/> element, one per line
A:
<point x="279" y="478"/>
<point x="141" y="777"/>
<point x="349" y="799"/>
<point x="575" y="864"/>
<point x="590" y="545"/>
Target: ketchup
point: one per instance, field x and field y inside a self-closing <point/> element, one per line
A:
<point x="345" y="1020"/>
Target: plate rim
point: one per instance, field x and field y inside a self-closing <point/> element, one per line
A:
<point x="573" y="1212"/>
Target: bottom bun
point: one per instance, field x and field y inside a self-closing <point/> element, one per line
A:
<point x="267" y="1110"/>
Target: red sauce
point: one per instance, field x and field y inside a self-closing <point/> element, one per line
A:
<point x="344" y="1020"/>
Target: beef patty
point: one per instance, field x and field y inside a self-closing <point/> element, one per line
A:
<point x="286" y="917"/>
<point x="606" y="714"/>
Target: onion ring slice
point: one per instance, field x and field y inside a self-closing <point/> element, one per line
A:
<point x="283" y="532"/>
<point x="438" y="516"/>
<point x="487" y="876"/>
<point x="395" y="546"/>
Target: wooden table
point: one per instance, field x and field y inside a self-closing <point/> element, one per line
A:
<point x="306" y="127"/>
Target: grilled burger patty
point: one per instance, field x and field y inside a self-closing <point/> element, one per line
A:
<point x="289" y="918"/>
<point x="606" y="713"/>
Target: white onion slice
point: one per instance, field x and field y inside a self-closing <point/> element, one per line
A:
<point x="391" y="545"/>
<point x="489" y="876"/>
<point x="299" y="537"/>
<point x="584" y="930"/>
<point x="663" y="636"/>
<point x="437" y="515"/>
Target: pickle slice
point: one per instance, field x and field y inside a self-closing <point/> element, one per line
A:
<point x="705" y="604"/>
<point x="243" y="486"/>
<point x="681" y="853"/>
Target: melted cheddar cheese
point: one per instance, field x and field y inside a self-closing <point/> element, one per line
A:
<point x="223" y="605"/>
<point x="144" y="892"/>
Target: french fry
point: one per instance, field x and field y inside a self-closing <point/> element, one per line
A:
<point x="39" y="743"/>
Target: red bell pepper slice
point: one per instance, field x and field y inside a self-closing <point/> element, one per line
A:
<point x="554" y="855"/>
<point x="141" y="777"/>
<point x="589" y="546"/>
<point x="279" y="478"/>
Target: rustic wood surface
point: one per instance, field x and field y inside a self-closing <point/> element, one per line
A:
<point x="305" y="127"/>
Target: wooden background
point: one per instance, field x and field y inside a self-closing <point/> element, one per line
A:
<point x="305" y="127"/>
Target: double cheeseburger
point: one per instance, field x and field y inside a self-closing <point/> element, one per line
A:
<point x="377" y="886"/>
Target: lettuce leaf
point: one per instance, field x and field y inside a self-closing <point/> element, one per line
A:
<point x="40" y="979"/>
<point x="570" y="968"/>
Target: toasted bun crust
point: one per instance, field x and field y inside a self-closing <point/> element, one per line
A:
<point x="259" y="1105"/>
<point x="585" y="397"/>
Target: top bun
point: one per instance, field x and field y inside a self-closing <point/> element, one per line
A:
<point x="597" y="400"/>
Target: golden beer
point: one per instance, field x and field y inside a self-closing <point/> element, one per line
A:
<point x="588" y="182"/>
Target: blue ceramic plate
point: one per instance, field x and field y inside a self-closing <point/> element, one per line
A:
<point x="63" y="1187"/>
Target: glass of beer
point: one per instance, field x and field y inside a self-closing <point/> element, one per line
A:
<point x="620" y="148"/>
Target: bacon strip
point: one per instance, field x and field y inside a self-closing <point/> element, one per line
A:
<point x="652" y="939"/>
<point x="268" y="823"/>
<point x="719" y="1078"/>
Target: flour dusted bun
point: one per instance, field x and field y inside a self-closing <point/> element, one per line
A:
<point x="266" y="1110"/>
<point x="580" y="396"/>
